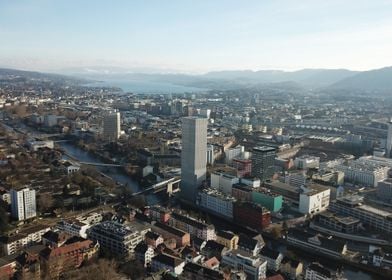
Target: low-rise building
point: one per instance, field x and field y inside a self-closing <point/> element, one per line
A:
<point x="241" y="192"/>
<point x="291" y="268"/>
<point x="251" y="181"/>
<point x="314" y="199"/>
<point x="166" y="262"/>
<point x="153" y="239"/>
<point x="73" y="227"/>
<point x="384" y="190"/>
<point x="273" y="258"/>
<point x="295" y="179"/>
<point x="198" y="272"/>
<point x="7" y="267"/>
<point x="316" y="271"/>
<point x="116" y="238"/>
<point x="254" y="266"/>
<point x="344" y="224"/>
<point x="242" y="166"/>
<point x="216" y="202"/>
<point x="182" y="238"/>
<point x="227" y="239"/>
<point x="306" y="162"/>
<point x="251" y="245"/>
<point x="70" y="255"/>
<point x="363" y="172"/>
<point x="353" y="205"/>
<point x="213" y="249"/>
<point x="25" y="238"/>
<point x="251" y="215"/>
<point x="264" y="197"/>
<point x="36" y="145"/>
<point x="194" y="227"/>
<point x="160" y="214"/>
<point x="317" y="243"/>
<point x="223" y="181"/>
<point x="144" y="253"/>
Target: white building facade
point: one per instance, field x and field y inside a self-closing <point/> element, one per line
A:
<point x="23" y="204"/>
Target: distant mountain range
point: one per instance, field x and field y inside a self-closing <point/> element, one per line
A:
<point x="375" y="80"/>
<point x="378" y="81"/>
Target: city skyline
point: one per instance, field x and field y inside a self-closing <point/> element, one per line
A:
<point x="184" y="36"/>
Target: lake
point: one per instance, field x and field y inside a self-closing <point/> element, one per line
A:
<point x="147" y="87"/>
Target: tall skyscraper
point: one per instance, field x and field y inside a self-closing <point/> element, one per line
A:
<point x="23" y="204"/>
<point x="112" y="126"/>
<point x="193" y="156"/>
<point x="263" y="160"/>
<point x="389" y="141"/>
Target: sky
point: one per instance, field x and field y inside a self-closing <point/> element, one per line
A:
<point x="196" y="35"/>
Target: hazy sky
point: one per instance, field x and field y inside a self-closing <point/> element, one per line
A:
<point x="196" y="35"/>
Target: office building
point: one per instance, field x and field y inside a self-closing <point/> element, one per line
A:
<point x="384" y="190"/>
<point x="314" y="199"/>
<point x="363" y="172"/>
<point x="295" y="179"/>
<point x="23" y="205"/>
<point x="217" y="202"/>
<point x="306" y="162"/>
<point x="353" y="205"/>
<point x="251" y="215"/>
<point x="223" y="181"/>
<point x="263" y="159"/>
<point x="344" y="224"/>
<point x="232" y="153"/>
<point x="193" y="156"/>
<point x="241" y="192"/>
<point x="264" y="197"/>
<point x="111" y="126"/>
<point x="243" y="167"/>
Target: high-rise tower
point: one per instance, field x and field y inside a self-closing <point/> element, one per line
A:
<point x="193" y="156"/>
<point x="389" y="141"/>
<point x="263" y="160"/>
<point x="111" y="126"/>
<point x="23" y="205"/>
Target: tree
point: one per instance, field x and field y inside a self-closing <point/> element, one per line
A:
<point x="276" y="232"/>
<point x="45" y="202"/>
<point x="3" y="220"/>
<point x="103" y="269"/>
<point x="133" y="269"/>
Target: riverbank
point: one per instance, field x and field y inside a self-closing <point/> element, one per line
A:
<point x="117" y="174"/>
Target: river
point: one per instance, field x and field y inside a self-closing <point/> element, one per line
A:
<point x="116" y="173"/>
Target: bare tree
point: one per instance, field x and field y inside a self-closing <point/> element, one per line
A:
<point x="103" y="269"/>
<point x="45" y="202"/>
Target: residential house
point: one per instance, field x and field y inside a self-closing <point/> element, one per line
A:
<point x="166" y="262"/>
<point x="227" y="239"/>
<point x="144" y="253"/>
<point x="273" y="258"/>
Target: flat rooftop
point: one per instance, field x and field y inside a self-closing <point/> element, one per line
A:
<point x="264" y="149"/>
<point x="376" y="211"/>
